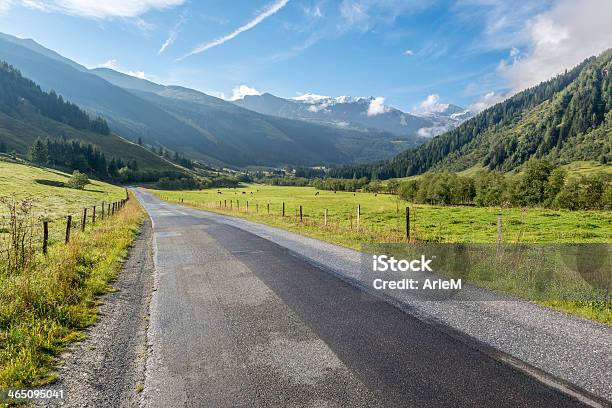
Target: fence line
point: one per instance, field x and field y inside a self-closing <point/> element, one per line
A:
<point x="82" y="218"/>
<point x="301" y="218"/>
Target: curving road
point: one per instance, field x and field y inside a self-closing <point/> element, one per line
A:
<point x="238" y="320"/>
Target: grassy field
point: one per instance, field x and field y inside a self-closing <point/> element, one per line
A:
<point x="383" y="220"/>
<point x="383" y="217"/>
<point x="50" y="200"/>
<point x="47" y="301"/>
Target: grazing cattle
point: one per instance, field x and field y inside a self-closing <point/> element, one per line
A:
<point x="317" y="193"/>
<point x="251" y="193"/>
<point x="244" y="192"/>
<point x="219" y="192"/>
<point x="375" y="195"/>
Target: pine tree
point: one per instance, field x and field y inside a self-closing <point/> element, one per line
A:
<point x="39" y="152"/>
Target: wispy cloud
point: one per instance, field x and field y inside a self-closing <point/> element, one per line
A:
<point x="99" y="8"/>
<point x="172" y="35"/>
<point x="408" y="52"/>
<point x="267" y="12"/>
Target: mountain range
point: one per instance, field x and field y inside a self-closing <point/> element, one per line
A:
<point x="195" y="124"/>
<point x="359" y="113"/>
<point x="564" y="119"/>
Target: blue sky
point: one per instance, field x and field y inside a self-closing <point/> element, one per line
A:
<point x="468" y="52"/>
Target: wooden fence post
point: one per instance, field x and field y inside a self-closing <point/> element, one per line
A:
<point x="358" y="215"/>
<point x="499" y="230"/>
<point x="268" y="208"/>
<point x="300" y="214"/>
<point x="68" y="226"/>
<point x="127" y="195"/>
<point x="231" y="204"/>
<point x="84" y="219"/>
<point x="108" y="212"/>
<point x="257" y="208"/>
<point x="247" y="210"/>
<point x="93" y="215"/>
<point x="283" y="208"/>
<point x="326" y="217"/>
<point x="408" y="224"/>
<point x="102" y="214"/>
<point x="225" y="203"/>
<point x="45" y="236"/>
<point x="113" y="210"/>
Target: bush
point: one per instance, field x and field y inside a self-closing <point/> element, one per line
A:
<point x="78" y="180"/>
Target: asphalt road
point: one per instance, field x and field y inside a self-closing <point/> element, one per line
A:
<point x="237" y="320"/>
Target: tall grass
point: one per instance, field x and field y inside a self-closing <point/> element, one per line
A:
<point x="46" y="301"/>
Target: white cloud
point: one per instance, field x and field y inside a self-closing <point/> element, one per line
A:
<point x="114" y="65"/>
<point x="269" y="11"/>
<point x="111" y="63"/>
<point x="408" y="52"/>
<point x="432" y="104"/>
<point x="101" y="8"/>
<point x="434" y="130"/>
<point x="559" y="39"/>
<point x="137" y="74"/>
<point x="377" y="106"/>
<point x="241" y="91"/>
<point x="4" y="5"/>
<point x="172" y="35"/>
<point x="487" y="100"/>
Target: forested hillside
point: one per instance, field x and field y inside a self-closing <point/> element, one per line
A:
<point x="564" y="119"/>
<point x="42" y="126"/>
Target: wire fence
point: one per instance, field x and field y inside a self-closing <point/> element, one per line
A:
<point x="20" y="227"/>
<point x="404" y="228"/>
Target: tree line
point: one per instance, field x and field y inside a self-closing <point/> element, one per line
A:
<point x="15" y="89"/>
<point x="539" y="185"/>
<point x="87" y="158"/>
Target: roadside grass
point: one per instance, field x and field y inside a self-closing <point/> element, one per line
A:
<point x="383" y="221"/>
<point x="46" y="304"/>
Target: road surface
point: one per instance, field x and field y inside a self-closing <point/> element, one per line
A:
<point x="237" y="320"/>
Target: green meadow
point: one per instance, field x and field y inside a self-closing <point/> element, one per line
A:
<point x="383" y="217"/>
<point x="50" y="199"/>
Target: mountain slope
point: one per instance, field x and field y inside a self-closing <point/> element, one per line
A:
<point x="252" y="138"/>
<point x="564" y="119"/>
<point x="193" y="123"/>
<point x="356" y="113"/>
<point x="28" y="113"/>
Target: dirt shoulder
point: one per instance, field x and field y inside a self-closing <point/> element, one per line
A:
<point x="107" y="369"/>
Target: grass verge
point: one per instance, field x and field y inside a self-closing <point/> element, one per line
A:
<point x="47" y="306"/>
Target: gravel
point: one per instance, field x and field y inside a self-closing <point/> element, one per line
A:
<point x="107" y="369"/>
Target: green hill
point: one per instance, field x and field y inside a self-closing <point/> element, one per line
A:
<point x="27" y="113"/>
<point x="565" y="119"/>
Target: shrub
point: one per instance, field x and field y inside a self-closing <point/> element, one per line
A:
<point x="78" y="180"/>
